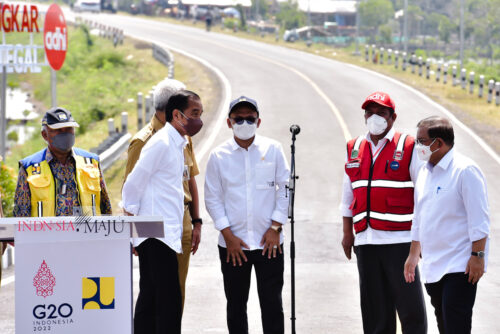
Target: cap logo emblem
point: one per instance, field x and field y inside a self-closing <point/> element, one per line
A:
<point x="62" y="117"/>
<point x="377" y="97"/>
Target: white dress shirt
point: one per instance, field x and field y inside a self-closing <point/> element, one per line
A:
<point x="154" y="187"/>
<point x="245" y="189"/>
<point x="451" y="211"/>
<point x="370" y="235"/>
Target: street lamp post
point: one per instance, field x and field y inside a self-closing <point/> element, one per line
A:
<point x="462" y="5"/>
<point x="405" y="27"/>
<point x="357" y="28"/>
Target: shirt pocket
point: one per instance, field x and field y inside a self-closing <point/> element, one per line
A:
<point x="265" y="175"/>
<point x="39" y="187"/>
<point x="91" y="178"/>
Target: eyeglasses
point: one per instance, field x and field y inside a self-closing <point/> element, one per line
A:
<point x="240" y="120"/>
<point x="423" y="141"/>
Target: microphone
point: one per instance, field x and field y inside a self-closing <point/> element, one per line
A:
<point x="295" y="129"/>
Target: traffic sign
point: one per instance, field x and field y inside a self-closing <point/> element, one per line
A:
<point x="55" y="37"/>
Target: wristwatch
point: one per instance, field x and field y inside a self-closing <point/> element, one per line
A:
<point x="479" y="254"/>
<point x="277" y="228"/>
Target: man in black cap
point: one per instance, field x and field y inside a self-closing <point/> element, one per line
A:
<point x="60" y="180"/>
<point x="245" y="195"/>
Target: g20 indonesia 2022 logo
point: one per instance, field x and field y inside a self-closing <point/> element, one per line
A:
<point x="98" y="293"/>
<point x="44" y="281"/>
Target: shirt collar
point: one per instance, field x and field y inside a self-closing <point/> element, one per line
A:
<point x="49" y="156"/>
<point x="156" y="124"/>
<point x="235" y="146"/>
<point x="175" y="135"/>
<point x="445" y="161"/>
<point x="388" y="136"/>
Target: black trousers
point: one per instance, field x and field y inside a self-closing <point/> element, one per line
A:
<point x="159" y="306"/>
<point x="269" y="273"/>
<point x="453" y="298"/>
<point x="384" y="291"/>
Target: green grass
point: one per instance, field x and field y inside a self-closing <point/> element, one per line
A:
<point x="95" y="84"/>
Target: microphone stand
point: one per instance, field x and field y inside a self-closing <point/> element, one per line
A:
<point x="294" y="129"/>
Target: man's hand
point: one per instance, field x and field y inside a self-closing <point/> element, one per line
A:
<point x="127" y="213"/>
<point x="410" y="265"/>
<point x="271" y="242"/>
<point x="475" y="269"/>
<point x="196" y="237"/>
<point x="233" y="247"/>
<point x="348" y="243"/>
<point x="348" y="238"/>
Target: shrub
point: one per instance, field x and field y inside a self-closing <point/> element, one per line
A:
<point x="7" y="188"/>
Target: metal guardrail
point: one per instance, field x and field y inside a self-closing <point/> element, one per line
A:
<point x="165" y="57"/>
<point x="441" y="72"/>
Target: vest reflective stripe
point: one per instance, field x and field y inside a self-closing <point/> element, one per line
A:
<point x="40" y="208"/>
<point x="355" y="150"/>
<point x="384" y="216"/>
<point x="42" y="186"/>
<point x="401" y="142"/>
<point x="382" y="184"/>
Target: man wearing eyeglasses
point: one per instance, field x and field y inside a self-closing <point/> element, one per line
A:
<point x="451" y="226"/>
<point x="377" y="201"/>
<point x="246" y="197"/>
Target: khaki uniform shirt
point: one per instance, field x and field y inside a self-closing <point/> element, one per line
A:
<point x="140" y="139"/>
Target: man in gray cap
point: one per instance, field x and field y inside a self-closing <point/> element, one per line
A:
<point x="245" y="195"/>
<point x="60" y="180"/>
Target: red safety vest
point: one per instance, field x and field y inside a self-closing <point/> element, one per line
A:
<point x="383" y="191"/>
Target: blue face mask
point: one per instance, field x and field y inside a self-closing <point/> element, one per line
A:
<point x="64" y="141"/>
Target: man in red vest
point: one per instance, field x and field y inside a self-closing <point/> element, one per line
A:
<point x="377" y="200"/>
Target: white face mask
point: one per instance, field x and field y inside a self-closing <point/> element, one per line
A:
<point x="376" y="124"/>
<point x="424" y="152"/>
<point x="244" y="131"/>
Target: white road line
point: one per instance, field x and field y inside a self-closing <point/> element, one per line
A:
<point x="445" y="111"/>
<point x="6" y="281"/>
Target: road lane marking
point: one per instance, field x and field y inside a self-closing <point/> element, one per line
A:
<point x="445" y="111"/>
<point x="7" y="280"/>
<point x="319" y="91"/>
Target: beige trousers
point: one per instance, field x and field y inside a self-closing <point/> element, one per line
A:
<point x="183" y="259"/>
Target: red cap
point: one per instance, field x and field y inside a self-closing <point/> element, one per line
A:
<point x="380" y="98"/>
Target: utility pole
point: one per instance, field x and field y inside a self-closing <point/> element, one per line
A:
<point x="3" y="116"/>
<point x="309" y="13"/>
<point x="357" y="28"/>
<point x="257" y="4"/>
<point x="405" y="27"/>
<point x="462" y="9"/>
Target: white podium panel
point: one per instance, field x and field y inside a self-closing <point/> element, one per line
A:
<point x="73" y="277"/>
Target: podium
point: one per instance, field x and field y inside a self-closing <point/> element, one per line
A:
<point x="74" y="274"/>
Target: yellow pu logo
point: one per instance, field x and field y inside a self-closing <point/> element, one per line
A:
<point x="98" y="293"/>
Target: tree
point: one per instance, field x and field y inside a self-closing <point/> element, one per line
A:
<point x="445" y="28"/>
<point x="289" y="16"/>
<point x="375" y="13"/>
<point x="484" y="24"/>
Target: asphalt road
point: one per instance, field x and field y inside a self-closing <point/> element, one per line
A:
<point x="324" y="97"/>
